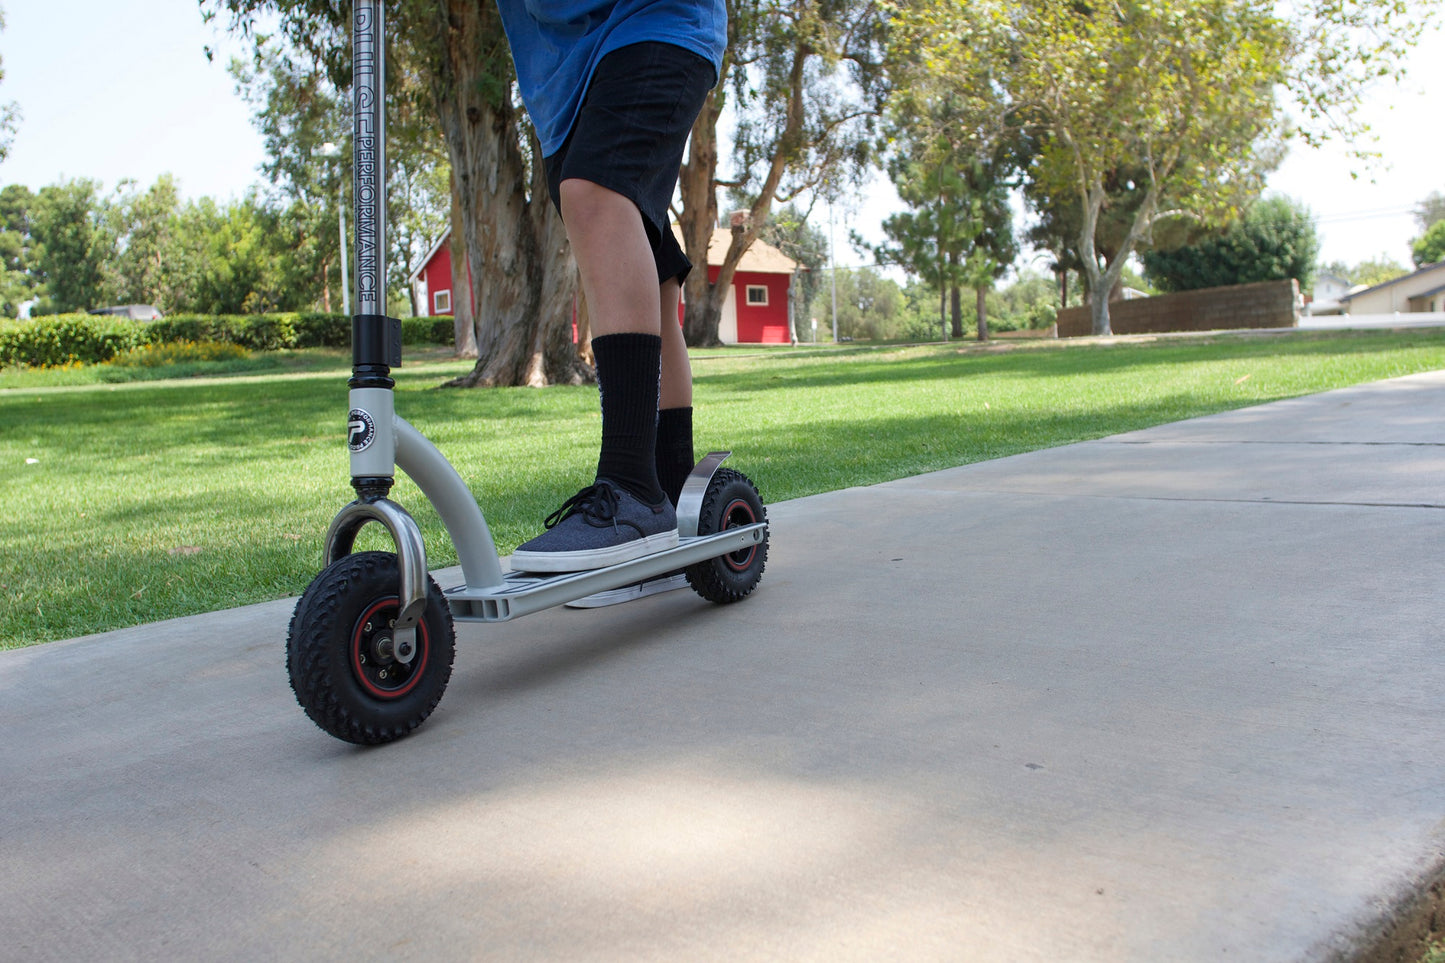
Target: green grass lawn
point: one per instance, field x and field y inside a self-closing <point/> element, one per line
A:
<point x="129" y="503"/>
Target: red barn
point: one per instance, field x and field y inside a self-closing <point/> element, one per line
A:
<point x="756" y="311"/>
<point x="432" y="281"/>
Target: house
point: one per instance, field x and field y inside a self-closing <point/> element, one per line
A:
<point x="1325" y="298"/>
<point x="432" y="282"/>
<point x="757" y="309"/>
<point x="1418" y="291"/>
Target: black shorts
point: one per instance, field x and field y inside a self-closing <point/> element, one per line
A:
<point x="630" y="134"/>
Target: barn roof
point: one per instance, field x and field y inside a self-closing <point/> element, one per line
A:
<point x="760" y="258"/>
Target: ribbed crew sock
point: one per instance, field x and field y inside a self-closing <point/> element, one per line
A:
<point x="628" y="369"/>
<point x="674" y="450"/>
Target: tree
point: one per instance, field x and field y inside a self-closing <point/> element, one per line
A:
<point x="1162" y="87"/>
<point x="9" y="113"/>
<point x="450" y="58"/>
<point x="1367" y="273"/>
<point x="305" y="122"/>
<point x="1429" y="248"/>
<point x="806" y="80"/>
<point x="233" y="258"/>
<point x="956" y="175"/>
<point x="956" y="180"/>
<point x="1430" y="211"/>
<point x="18" y="254"/>
<point x="1183" y="93"/>
<point x="74" y="245"/>
<point x="1059" y="219"/>
<point x="524" y="282"/>
<point x="870" y="306"/>
<point x="1274" y="240"/>
<point x="298" y="112"/>
<point x="145" y="268"/>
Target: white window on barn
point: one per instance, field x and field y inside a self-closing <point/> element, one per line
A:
<point x="442" y="302"/>
<point x="758" y="294"/>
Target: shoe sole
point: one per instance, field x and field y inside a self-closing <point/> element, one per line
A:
<point x="630" y="593"/>
<point x="585" y="561"/>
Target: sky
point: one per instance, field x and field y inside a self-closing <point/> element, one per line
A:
<point x="110" y="91"/>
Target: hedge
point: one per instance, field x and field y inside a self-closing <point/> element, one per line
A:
<point x="91" y="339"/>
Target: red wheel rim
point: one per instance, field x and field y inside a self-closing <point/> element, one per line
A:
<point x="737" y="514"/>
<point x="379" y="676"/>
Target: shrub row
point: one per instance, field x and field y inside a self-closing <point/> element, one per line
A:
<point x="90" y="339"/>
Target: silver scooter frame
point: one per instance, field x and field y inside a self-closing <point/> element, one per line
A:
<point x="380" y="440"/>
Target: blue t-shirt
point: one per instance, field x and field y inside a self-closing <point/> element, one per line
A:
<point x="556" y="45"/>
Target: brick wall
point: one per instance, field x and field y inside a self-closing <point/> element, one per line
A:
<point x="1265" y="304"/>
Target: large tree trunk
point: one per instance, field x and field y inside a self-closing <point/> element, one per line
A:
<point x="1093" y="199"/>
<point x="464" y="329"/>
<point x="1099" y="310"/>
<point x="980" y="294"/>
<point x="696" y="182"/>
<point x="517" y="249"/>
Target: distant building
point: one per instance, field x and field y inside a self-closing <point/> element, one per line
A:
<point x="1418" y="291"/>
<point x="432" y="281"/>
<point x="134" y="312"/>
<point x="1325" y="298"/>
<point x="756" y="310"/>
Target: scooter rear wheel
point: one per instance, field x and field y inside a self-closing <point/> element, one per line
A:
<point x="731" y="500"/>
<point x="341" y="659"/>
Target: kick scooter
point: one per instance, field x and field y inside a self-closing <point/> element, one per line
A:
<point x="371" y="643"/>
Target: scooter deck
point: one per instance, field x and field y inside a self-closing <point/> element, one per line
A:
<point x="522" y="593"/>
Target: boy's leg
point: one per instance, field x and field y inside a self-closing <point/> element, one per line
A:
<point x="675" y="458"/>
<point x="625" y="514"/>
<point x="612" y="180"/>
<point x="614" y="257"/>
<point x="619" y="276"/>
<point x="674" y="443"/>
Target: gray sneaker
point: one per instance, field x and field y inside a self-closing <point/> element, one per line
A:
<point x="601" y="525"/>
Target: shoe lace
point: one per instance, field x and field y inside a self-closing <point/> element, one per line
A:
<point x="597" y="501"/>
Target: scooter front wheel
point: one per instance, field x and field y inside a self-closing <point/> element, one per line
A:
<point x="343" y="658"/>
<point x="731" y="501"/>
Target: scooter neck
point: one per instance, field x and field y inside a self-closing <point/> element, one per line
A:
<point x="375" y="338"/>
<point x="368" y="83"/>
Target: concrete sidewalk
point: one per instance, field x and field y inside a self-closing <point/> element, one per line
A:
<point x="1172" y="695"/>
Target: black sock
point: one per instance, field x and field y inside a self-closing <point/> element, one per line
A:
<point x="674" y="450"/>
<point x="628" y="369"/>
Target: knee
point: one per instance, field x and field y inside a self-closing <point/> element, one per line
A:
<point x="583" y="200"/>
<point x="585" y="205"/>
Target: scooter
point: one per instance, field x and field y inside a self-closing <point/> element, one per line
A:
<point x="370" y="646"/>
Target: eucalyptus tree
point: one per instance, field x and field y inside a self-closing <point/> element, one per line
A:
<point x="449" y="66"/>
<point x="305" y="122"/>
<point x="805" y="83"/>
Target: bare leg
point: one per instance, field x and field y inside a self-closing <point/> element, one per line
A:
<point x="676" y="369"/>
<point x="613" y="257"/>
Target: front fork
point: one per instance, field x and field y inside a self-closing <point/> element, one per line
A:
<point x="371" y="439"/>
